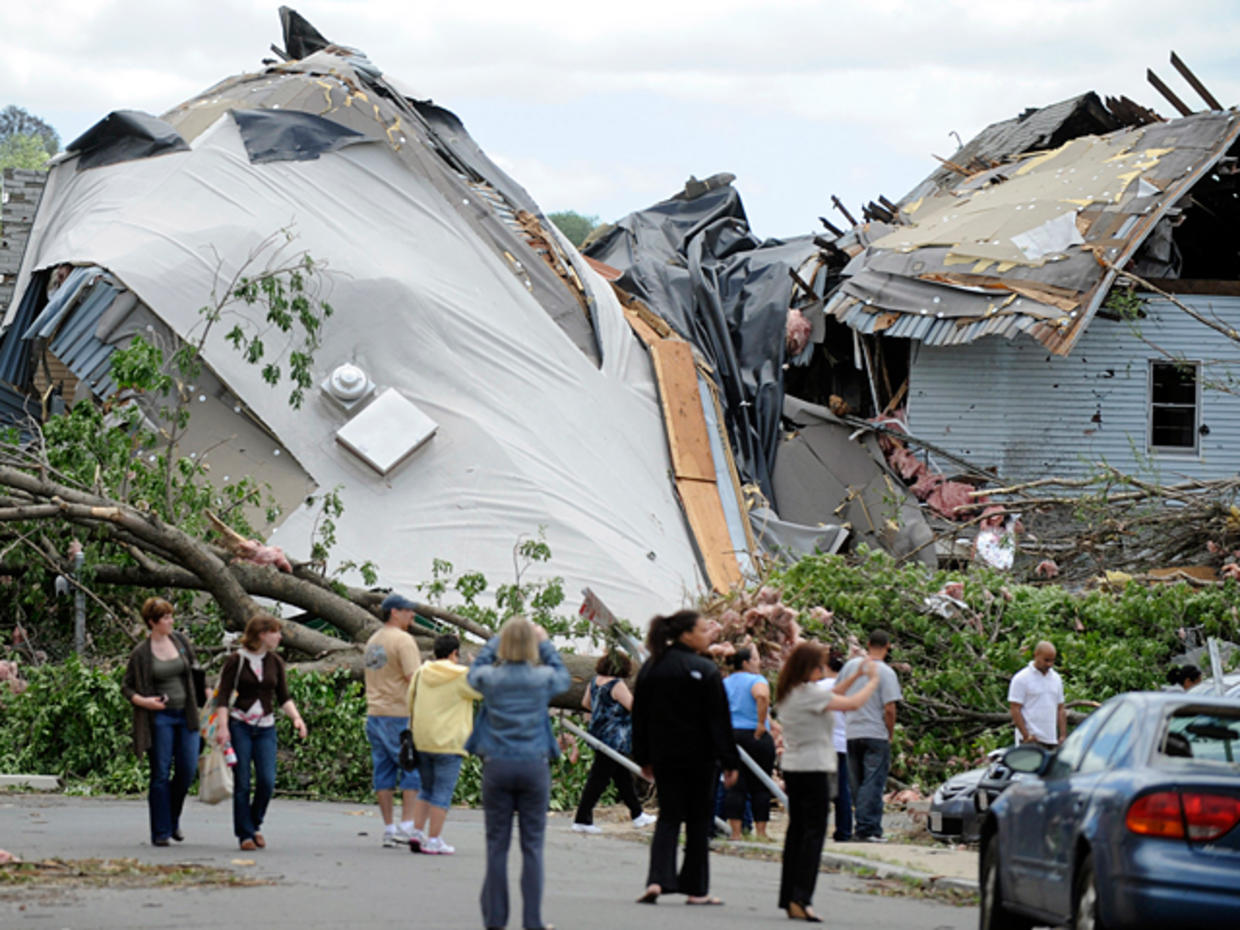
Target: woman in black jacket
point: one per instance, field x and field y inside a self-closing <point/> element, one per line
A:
<point x="681" y="731"/>
<point x="159" y="684"/>
<point x="253" y="682"/>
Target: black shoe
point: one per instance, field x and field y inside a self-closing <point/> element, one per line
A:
<point x="162" y="841"/>
<point x="178" y="835"/>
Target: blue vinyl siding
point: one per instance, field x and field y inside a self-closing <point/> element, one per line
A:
<point x="1012" y="406"/>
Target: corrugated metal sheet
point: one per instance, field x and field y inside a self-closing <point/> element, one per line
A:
<point x="69" y="322"/>
<point x="1016" y="407"/>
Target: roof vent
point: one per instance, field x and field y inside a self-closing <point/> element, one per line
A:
<point x="347" y="386"/>
<point x="387" y="432"/>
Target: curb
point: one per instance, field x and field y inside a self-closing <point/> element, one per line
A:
<point x="887" y="870"/>
<point x="880" y="869"/>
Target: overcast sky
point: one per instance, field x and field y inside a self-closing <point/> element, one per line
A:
<point x="605" y="108"/>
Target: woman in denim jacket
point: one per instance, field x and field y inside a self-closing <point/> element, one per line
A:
<point x="517" y="673"/>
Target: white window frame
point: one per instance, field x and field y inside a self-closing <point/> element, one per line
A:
<point x="1195" y="448"/>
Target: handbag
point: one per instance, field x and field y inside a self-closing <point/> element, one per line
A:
<point x="210" y="722"/>
<point x="215" y="777"/>
<point x="408" y="751"/>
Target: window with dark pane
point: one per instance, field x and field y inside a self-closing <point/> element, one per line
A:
<point x="1173" y="405"/>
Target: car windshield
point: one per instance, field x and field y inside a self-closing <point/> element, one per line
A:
<point x="1207" y="735"/>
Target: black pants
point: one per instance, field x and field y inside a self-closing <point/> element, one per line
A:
<point x="686" y="795"/>
<point x="747" y="783"/>
<point x="808" y="798"/>
<point x="606" y="769"/>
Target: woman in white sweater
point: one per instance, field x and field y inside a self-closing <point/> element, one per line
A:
<point x="809" y="764"/>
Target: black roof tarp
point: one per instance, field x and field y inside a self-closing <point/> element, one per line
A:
<point x="694" y="260"/>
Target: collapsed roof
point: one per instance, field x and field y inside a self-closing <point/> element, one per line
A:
<point x="459" y="303"/>
<point x="1024" y="229"/>
<point x="748" y="308"/>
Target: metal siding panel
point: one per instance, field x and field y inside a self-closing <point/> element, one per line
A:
<point x="1014" y="406"/>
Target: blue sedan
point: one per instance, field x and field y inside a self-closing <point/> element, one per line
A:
<point x="1134" y="822"/>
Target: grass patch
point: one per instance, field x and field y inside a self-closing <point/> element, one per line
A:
<point x="119" y="873"/>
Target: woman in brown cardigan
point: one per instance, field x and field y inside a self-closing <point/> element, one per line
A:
<point x="159" y="685"/>
<point x="252" y="686"/>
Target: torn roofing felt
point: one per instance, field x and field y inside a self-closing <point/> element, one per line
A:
<point x="278" y="135"/>
<point x="693" y="259"/>
<point x="1028" y="245"/>
<point x="124" y="135"/>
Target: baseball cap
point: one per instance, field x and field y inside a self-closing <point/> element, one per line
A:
<point x="397" y="602"/>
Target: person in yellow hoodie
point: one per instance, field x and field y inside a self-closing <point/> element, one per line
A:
<point x="441" y="716"/>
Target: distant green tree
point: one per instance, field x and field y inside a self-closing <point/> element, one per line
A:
<point x="22" y="151"/>
<point x="574" y="225"/>
<point x="14" y="121"/>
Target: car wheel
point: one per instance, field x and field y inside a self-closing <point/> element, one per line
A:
<point x="994" y="916"/>
<point x="1085" y="898"/>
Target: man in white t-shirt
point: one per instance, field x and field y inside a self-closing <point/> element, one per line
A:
<point x="1035" y="698"/>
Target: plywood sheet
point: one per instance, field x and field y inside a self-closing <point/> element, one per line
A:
<point x="682" y="410"/>
<point x="710" y="528"/>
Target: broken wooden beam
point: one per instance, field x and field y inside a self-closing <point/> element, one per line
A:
<point x="1167" y="92"/>
<point x="840" y="206"/>
<point x="831" y="227"/>
<point x="1194" y="83"/>
<point x="948" y="163"/>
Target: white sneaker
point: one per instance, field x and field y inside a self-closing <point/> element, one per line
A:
<point x="417" y="839"/>
<point x="586" y="828"/>
<point x="644" y="820"/>
<point x="435" y="846"/>
<point x="396" y="839"/>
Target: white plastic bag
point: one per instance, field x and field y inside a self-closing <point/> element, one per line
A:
<point x="215" y="777"/>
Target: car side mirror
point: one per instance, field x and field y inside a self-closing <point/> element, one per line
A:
<point x="1027" y="759"/>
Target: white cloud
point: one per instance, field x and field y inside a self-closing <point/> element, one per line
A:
<point x="801" y="98"/>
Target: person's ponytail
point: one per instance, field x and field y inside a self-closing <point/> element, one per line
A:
<point x="663" y="631"/>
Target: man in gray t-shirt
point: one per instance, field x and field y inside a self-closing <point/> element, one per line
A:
<point x="869" y="736"/>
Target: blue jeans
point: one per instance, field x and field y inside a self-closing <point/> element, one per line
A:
<point x="522" y="786"/>
<point x="257" y="745"/>
<point x="868" y="763"/>
<point x="843" y="802"/>
<point x="384" y="736"/>
<point x="174" y="747"/>
<point x="438" y="772"/>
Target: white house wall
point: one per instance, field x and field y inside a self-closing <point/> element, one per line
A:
<point x="1012" y="406"/>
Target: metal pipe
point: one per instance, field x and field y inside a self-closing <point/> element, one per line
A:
<point x="763" y="777"/>
<point x="79" y="606"/>
<point x="620" y="757"/>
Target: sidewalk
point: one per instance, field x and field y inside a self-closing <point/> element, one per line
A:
<point x="927" y="863"/>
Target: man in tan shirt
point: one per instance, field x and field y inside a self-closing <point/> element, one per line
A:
<point x="390" y="660"/>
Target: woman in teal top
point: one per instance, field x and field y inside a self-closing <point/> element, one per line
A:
<point x="749" y="699"/>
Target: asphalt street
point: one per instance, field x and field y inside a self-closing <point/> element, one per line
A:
<point x="328" y="869"/>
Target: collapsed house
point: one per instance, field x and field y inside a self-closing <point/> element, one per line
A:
<point x="476" y="382"/>
<point x="988" y="326"/>
<point x="997" y="278"/>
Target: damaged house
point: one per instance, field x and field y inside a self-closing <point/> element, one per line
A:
<point x="1008" y="280"/>
<point x="477" y="381"/>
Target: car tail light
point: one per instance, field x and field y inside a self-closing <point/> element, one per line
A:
<point x="1195" y="815"/>
<point x="1157" y="814"/>
<point x="1209" y="816"/>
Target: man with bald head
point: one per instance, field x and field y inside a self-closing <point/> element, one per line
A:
<point x="1035" y="697"/>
